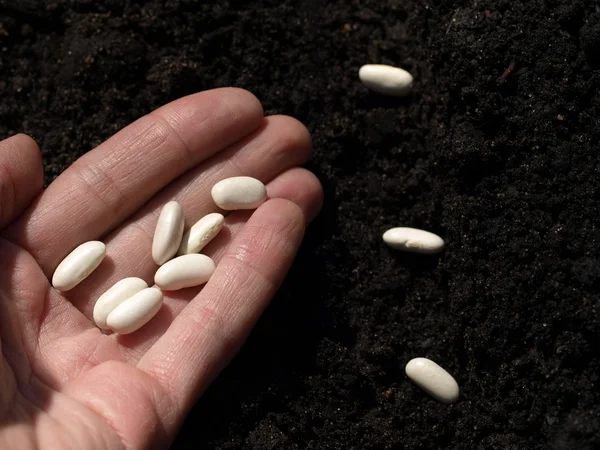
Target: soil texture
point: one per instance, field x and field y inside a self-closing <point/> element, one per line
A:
<point x="496" y="150"/>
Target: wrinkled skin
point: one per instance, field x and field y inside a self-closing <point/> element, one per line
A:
<point x="64" y="384"/>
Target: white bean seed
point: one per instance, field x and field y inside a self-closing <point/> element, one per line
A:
<point x="387" y="80"/>
<point x="239" y="193"/>
<point x="184" y="271"/>
<point x="136" y="311"/>
<point x="167" y="235"/>
<point x="413" y="240"/>
<point x="433" y="379"/>
<point x="201" y="233"/>
<point x="78" y="265"/>
<point x="116" y="295"/>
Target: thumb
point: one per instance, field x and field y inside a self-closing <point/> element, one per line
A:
<point x="21" y="176"/>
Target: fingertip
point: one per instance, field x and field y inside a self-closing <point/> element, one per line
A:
<point x="316" y="196"/>
<point x="247" y="98"/>
<point x="25" y="140"/>
<point x="283" y="207"/>
<point x="300" y="186"/>
<point x="275" y="228"/>
<point x="240" y="102"/>
<point x="21" y="175"/>
<point x="32" y="158"/>
<point x="282" y="214"/>
<point x="237" y="111"/>
<point x="293" y="136"/>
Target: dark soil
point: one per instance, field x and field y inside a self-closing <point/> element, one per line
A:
<point x="496" y="151"/>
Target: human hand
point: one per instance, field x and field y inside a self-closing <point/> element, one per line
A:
<point x="63" y="383"/>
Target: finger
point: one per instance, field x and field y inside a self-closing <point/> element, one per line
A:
<point x="281" y="143"/>
<point x="205" y="336"/>
<point x="297" y="185"/>
<point x="21" y="176"/>
<point x="108" y="184"/>
<point x="309" y="198"/>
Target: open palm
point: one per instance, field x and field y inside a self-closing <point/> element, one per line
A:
<point x="63" y="383"/>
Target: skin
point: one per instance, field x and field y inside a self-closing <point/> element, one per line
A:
<point x="65" y="384"/>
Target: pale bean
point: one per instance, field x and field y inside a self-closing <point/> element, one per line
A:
<point x="387" y="80"/>
<point x="116" y="295"/>
<point x="78" y="265"/>
<point x="239" y="193"/>
<point x="413" y="240"/>
<point x="201" y="233"/>
<point x="184" y="271"/>
<point x="136" y="311"/>
<point x="167" y="236"/>
<point x="433" y="379"/>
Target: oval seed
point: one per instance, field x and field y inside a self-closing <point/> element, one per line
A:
<point x="387" y="80"/>
<point x="201" y="233"/>
<point x="167" y="235"/>
<point x="116" y="295"/>
<point x="136" y="311"/>
<point x="239" y="193"/>
<point x="78" y="265"/>
<point x="433" y="379"/>
<point x="413" y="240"/>
<point x="184" y="271"/>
